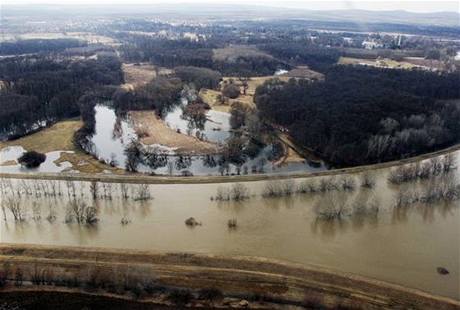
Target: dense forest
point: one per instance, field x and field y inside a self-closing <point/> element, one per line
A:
<point x="317" y="57"/>
<point x="39" y="90"/>
<point x="184" y="52"/>
<point x="38" y="45"/>
<point x="362" y="115"/>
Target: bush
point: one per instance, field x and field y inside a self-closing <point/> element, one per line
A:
<point x="210" y="294"/>
<point x="367" y="180"/>
<point x="3" y="278"/>
<point x="231" y="91"/>
<point x="180" y="297"/>
<point x="32" y="159"/>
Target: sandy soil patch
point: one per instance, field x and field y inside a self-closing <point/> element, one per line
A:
<point x="154" y="131"/>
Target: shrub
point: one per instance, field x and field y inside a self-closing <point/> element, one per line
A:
<point x="180" y="296"/>
<point x="232" y="223"/>
<point x="210" y="294"/>
<point x="3" y="278"/>
<point x="348" y="183"/>
<point x="273" y="189"/>
<point x="367" y="180"/>
<point x="231" y="91"/>
<point x="32" y="159"/>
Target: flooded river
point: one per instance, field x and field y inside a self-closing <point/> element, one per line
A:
<point x="374" y="238"/>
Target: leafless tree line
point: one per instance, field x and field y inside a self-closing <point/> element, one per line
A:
<point x="337" y="206"/>
<point x="237" y="192"/>
<point x="53" y="188"/>
<point x="327" y="184"/>
<point x="80" y="212"/>
<point x="434" y="192"/>
<point x="423" y="170"/>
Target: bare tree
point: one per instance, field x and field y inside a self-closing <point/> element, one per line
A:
<point x="308" y="186"/>
<point x="232" y="223"/>
<point x="94" y="188"/>
<point x="124" y="191"/>
<point x="79" y="211"/>
<point x="272" y="189"/>
<point x="16" y="209"/>
<point x="348" y="183"/>
<point x="143" y="192"/>
<point x="367" y="180"/>
<point x="239" y="192"/>
<point x="448" y="163"/>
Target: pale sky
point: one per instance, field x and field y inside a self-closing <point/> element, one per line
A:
<point x="388" y="5"/>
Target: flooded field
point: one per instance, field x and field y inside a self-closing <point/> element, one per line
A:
<point x="394" y="231"/>
<point x="9" y="156"/>
<point x="113" y="134"/>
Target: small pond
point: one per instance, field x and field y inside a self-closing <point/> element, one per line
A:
<point x="11" y="154"/>
<point x="114" y="133"/>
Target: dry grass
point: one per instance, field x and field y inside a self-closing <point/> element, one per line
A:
<point x="59" y="138"/>
<point x="303" y="72"/>
<point x="156" y="132"/>
<point x="231" y="53"/>
<point x="210" y="96"/>
<point x="86" y="163"/>
<point x="380" y="63"/>
<point x="137" y="75"/>
<point x="55" y="138"/>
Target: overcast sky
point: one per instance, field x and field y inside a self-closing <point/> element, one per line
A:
<point x="409" y="5"/>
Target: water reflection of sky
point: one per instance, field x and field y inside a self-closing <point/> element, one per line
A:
<point x="216" y="129"/>
<point x="12" y="153"/>
<point x="114" y="133"/>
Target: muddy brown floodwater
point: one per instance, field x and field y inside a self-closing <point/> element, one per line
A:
<point x="373" y="238"/>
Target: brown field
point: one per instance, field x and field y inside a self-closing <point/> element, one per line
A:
<point x="428" y="63"/>
<point x="380" y="63"/>
<point x="303" y="72"/>
<point x="237" y="278"/>
<point x="55" y="138"/>
<point x="231" y="53"/>
<point x="137" y="75"/>
<point x="155" y="131"/>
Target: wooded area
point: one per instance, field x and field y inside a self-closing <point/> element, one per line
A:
<point x="360" y="115"/>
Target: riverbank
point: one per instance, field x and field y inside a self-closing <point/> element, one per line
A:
<point x="148" y="179"/>
<point x="238" y="279"/>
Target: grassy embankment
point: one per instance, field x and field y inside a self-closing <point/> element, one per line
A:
<point x="153" y="277"/>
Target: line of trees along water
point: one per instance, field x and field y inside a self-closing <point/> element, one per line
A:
<point x="362" y="115"/>
<point x="38" y="89"/>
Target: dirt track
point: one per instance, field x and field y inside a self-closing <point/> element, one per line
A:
<point x="282" y="283"/>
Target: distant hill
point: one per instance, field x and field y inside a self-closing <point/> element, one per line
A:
<point x="237" y="12"/>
